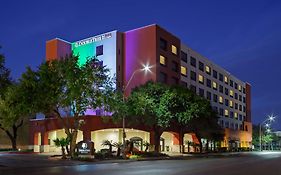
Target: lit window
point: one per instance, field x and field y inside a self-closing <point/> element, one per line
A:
<point x="239" y="87"/>
<point x="201" y="78"/>
<point x="221" y="99"/>
<point x="183" y="70"/>
<point x="162" y="60"/>
<point x="226" y="112"/>
<point x="207" y="68"/>
<point x="225" y="79"/>
<point x="174" y="50"/>
<point x="214" y="85"/>
<point x="231" y="93"/>
<point x="235" y="115"/>
<point x="231" y="103"/>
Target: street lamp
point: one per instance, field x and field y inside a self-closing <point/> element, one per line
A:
<point x="269" y="119"/>
<point x="145" y="68"/>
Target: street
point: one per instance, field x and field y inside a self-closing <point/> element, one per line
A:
<point x="265" y="163"/>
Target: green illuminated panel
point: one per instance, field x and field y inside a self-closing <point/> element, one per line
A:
<point x="84" y="52"/>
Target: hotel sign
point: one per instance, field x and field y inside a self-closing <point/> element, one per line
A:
<point x="93" y="39"/>
<point x="85" y="148"/>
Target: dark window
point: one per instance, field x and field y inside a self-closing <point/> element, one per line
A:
<point x="221" y="111"/>
<point x="201" y="66"/>
<point x="184" y="84"/>
<point x="236" y="106"/>
<point x="240" y="107"/>
<point x="226" y="91"/>
<point x="241" y="127"/>
<point x="163" y="44"/>
<point x="222" y="123"/>
<point x="244" y="90"/>
<point x="244" y="109"/>
<point x="193" y="61"/>
<point x="220" y="77"/>
<point x="226" y="102"/>
<point x="240" y="97"/>
<point x="227" y="124"/>
<point x="201" y="92"/>
<point x="215" y="98"/>
<point x="215" y="74"/>
<point x="240" y="117"/>
<point x="99" y="50"/>
<point x="175" y="66"/>
<point x="184" y="56"/>
<point x="244" y="100"/>
<point x="236" y="126"/>
<point x="193" y="75"/>
<point x="192" y="88"/>
<point x="163" y="77"/>
<point x="231" y="83"/>
<point x="209" y="83"/>
<point x="215" y="109"/>
<point x="235" y="85"/>
<point x="231" y="114"/>
<point x="209" y="95"/>
<point x="221" y="88"/>
<point x="175" y="80"/>
<point x="236" y="96"/>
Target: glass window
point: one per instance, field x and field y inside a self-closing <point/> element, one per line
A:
<point x="221" y="111"/>
<point x="215" y="74"/>
<point x="163" y="44"/>
<point x="99" y="50"/>
<point x="209" y="95"/>
<point x="215" y="98"/>
<point x="226" y="79"/>
<point x="162" y="60"/>
<point x="175" y="66"/>
<point x="193" y="75"/>
<point x="201" y="66"/>
<point x="226" y="91"/>
<point x="183" y="71"/>
<point x="226" y="102"/>
<point x="231" y="83"/>
<point x="220" y="77"/>
<point x="239" y="88"/>
<point x="221" y="99"/>
<point x="208" y="70"/>
<point x="231" y="114"/>
<point x="221" y="88"/>
<point x="193" y="61"/>
<point x="215" y="86"/>
<point x="201" y="79"/>
<point x="231" y="103"/>
<point x="208" y="83"/>
<point x="231" y="93"/>
<point x="184" y="56"/>
<point x="201" y="92"/>
<point x="226" y="112"/>
<point x="235" y="115"/>
<point x="235" y="85"/>
<point x="174" y="50"/>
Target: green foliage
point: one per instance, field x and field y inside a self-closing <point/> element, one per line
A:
<point x="61" y="142"/>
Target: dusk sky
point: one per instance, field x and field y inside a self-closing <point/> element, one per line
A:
<point x="244" y="37"/>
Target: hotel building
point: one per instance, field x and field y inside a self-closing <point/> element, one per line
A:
<point x="173" y="63"/>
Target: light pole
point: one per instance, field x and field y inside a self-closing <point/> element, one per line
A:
<point x="146" y="68"/>
<point x="270" y="119"/>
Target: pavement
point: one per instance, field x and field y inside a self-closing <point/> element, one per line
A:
<point x="226" y="164"/>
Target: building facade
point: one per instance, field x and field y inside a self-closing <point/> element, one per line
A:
<point x="171" y="62"/>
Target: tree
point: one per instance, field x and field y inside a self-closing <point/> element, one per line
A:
<point x="109" y="144"/>
<point x="63" y="143"/>
<point x="118" y="145"/>
<point x="65" y="90"/>
<point x="12" y="110"/>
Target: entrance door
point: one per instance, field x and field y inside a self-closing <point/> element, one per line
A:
<point x="162" y="144"/>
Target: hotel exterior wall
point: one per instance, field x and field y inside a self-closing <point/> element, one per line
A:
<point x="57" y="48"/>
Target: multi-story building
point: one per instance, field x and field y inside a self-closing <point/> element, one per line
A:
<point x="171" y="62"/>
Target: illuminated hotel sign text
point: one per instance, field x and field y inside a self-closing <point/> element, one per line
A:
<point x="93" y="39"/>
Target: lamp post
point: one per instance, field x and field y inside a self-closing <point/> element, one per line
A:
<point x="270" y="119"/>
<point x="146" y="68"/>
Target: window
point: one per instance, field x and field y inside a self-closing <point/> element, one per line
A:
<point x="201" y="92"/>
<point x="215" y="98"/>
<point x="231" y="83"/>
<point x="201" y="66"/>
<point x="220" y="77"/>
<point x="231" y="114"/>
<point x="226" y="102"/>
<point x="240" y="97"/>
<point x="227" y="124"/>
<point x="240" y="107"/>
<point x="162" y="60"/>
<point x="183" y="71"/>
<point x="236" y="96"/>
<point x="174" y="50"/>
<point x="192" y="61"/>
<point x="175" y="66"/>
<point x="235" y="85"/>
<point x="209" y="95"/>
<point x="163" y="77"/>
<point x="221" y="100"/>
<point x="184" y="56"/>
<point x="235" y="115"/>
<point x="192" y="88"/>
<point x="239" y="88"/>
<point x="231" y="103"/>
<point x="201" y="79"/>
<point x="184" y="84"/>
<point x="240" y="117"/>
<point x="163" y="44"/>
<point x="192" y="75"/>
<point x="221" y="111"/>
<point x="236" y="106"/>
<point x="208" y="83"/>
<point x="221" y="88"/>
<point x="226" y="91"/>
<point x="225" y="79"/>
<point x="215" y="86"/>
<point x="244" y="99"/>
<point x="215" y="74"/>
<point x="99" y="50"/>
<point x="208" y="70"/>
<point x="244" y="108"/>
<point x="226" y="113"/>
<point x="231" y="93"/>
<point x="244" y="90"/>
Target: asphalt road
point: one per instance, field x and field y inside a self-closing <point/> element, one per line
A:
<point x="266" y="163"/>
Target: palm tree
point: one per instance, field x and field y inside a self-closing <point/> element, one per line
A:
<point x="109" y="144"/>
<point x="63" y="142"/>
<point x="146" y="144"/>
<point x="118" y="145"/>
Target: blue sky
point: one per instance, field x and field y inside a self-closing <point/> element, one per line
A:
<point x="243" y="36"/>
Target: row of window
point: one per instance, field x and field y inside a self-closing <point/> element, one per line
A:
<point x="226" y="124"/>
<point x="164" y="46"/>
<point x="213" y="85"/>
<point x="209" y="71"/>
